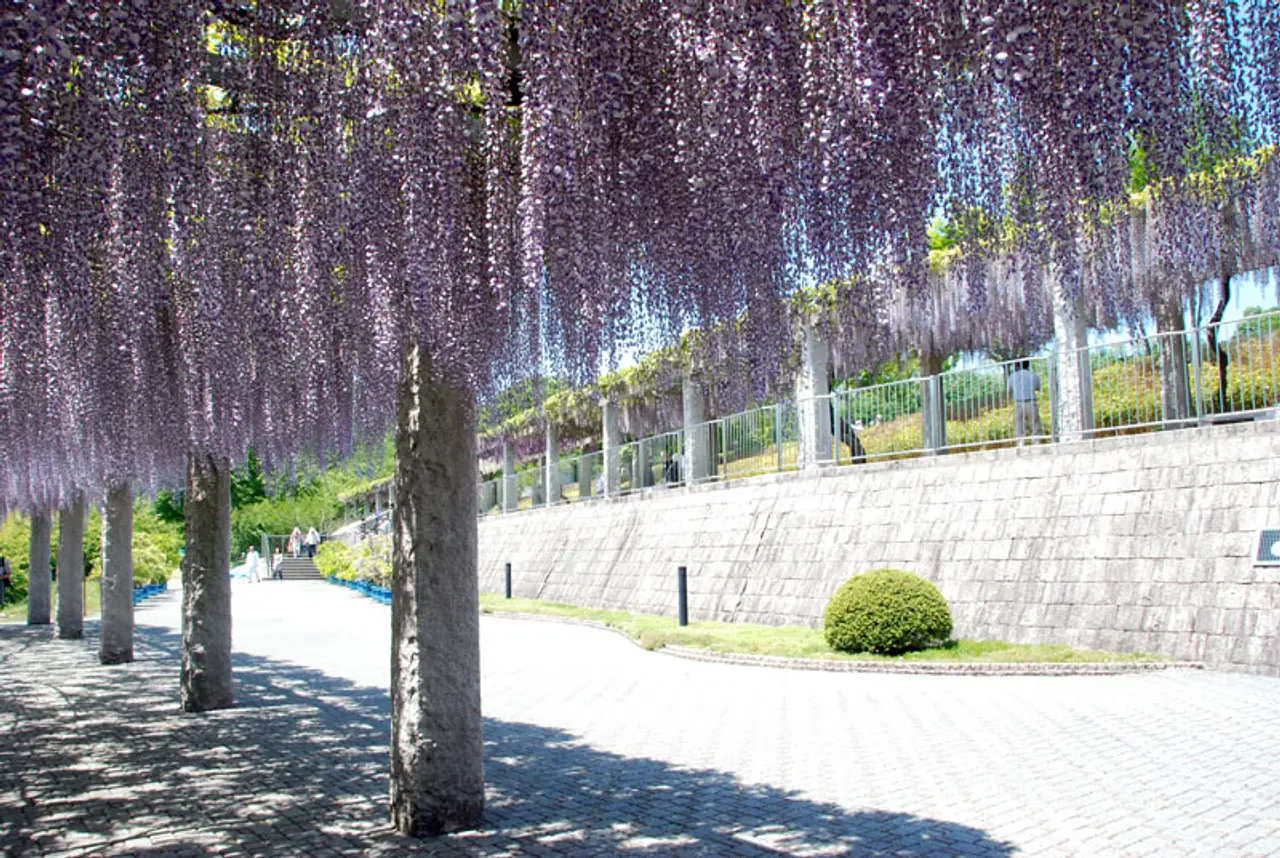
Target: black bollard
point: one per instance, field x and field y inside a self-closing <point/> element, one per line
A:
<point x="682" y="595"/>
<point x="508" y="580"/>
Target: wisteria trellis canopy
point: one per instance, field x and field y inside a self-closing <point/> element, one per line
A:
<point x="220" y="221"/>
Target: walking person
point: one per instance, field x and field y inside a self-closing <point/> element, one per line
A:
<point x="251" y="566"/>
<point x="295" y="542"/>
<point x="6" y="575"/>
<point x="1023" y="385"/>
<point x="313" y="539"/>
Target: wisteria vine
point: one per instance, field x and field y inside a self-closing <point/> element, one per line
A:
<point x="222" y="222"/>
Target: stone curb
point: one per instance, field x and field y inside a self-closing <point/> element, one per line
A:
<point x="938" y="668"/>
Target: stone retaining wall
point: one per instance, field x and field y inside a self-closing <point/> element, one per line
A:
<point x="1136" y="543"/>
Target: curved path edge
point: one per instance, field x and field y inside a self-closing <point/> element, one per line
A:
<point x="943" y="668"/>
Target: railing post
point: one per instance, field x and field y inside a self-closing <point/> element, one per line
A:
<point x="508" y="581"/>
<point x="724" y="447"/>
<point x="833" y="420"/>
<point x="777" y="432"/>
<point x="1051" y="370"/>
<point x="682" y="596"/>
<point x="1195" y="364"/>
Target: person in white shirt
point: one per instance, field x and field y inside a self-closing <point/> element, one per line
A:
<point x="1023" y="385"/>
<point x="251" y="565"/>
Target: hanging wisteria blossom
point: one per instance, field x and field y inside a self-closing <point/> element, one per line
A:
<point x="222" y="223"/>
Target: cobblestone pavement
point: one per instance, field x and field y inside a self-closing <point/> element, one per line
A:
<point x="594" y="747"/>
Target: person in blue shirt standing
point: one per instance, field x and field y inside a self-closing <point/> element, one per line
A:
<point x="1023" y="385"/>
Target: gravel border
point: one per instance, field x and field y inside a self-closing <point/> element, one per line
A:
<point x="939" y="668"/>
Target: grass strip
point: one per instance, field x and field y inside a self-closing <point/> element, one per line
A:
<point x="16" y="612"/>
<point x="654" y="632"/>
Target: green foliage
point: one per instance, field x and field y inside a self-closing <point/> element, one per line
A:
<point x="247" y="484"/>
<point x="1257" y="323"/>
<point x="369" y="561"/>
<point x="149" y="563"/>
<point x="15" y="546"/>
<point x="279" y="516"/>
<point x="168" y="506"/>
<point x="156" y="548"/>
<point x="336" y="560"/>
<point x="373" y="560"/>
<point x="519" y="398"/>
<point x="886" y="611"/>
<point x="655" y="632"/>
<point x="943" y="234"/>
<point x="313" y="499"/>
<point x="893" y="369"/>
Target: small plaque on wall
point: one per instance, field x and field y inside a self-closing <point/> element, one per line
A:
<point x="1268" y="553"/>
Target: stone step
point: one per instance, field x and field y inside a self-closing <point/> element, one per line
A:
<point x="300" y="569"/>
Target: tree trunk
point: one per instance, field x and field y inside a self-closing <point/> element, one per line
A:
<point x="116" y="646"/>
<point x="437" y="777"/>
<point x="71" y="522"/>
<point x="39" y="581"/>
<point x="1216" y="346"/>
<point x="206" y="585"/>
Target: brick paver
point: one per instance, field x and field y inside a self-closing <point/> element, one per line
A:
<point x="594" y="747"/>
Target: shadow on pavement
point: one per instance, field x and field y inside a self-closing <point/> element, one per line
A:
<point x="97" y="760"/>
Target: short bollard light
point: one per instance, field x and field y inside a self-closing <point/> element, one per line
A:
<point x="508" y="582"/>
<point x="682" y="596"/>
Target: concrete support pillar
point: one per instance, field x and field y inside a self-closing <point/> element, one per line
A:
<point x="813" y="402"/>
<point x="612" y="443"/>
<point x="642" y="478"/>
<point x="551" y="476"/>
<point x="932" y="406"/>
<point x="437" y="781"/>
<point x="510" y="488"/>
<point x="206" y="585"/>
<point x="696" y="462"/>
<point x="584" y="479"/>
<point x="40" y="581"/>
<point x="71" y="524"/>
<point x="116" y="646"/>
<point x="1075" y="376"/>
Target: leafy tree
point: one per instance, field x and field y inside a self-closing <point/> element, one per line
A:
<point x="247" y="484"/>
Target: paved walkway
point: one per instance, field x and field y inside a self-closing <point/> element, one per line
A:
<point x="594" y="747"/>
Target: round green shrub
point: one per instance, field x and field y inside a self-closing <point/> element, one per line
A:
<point x="886" y="611"/>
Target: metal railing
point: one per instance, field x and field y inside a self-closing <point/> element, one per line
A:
<point x="1216" y="373"/>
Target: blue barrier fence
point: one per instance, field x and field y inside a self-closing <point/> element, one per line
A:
<point x="146" y="591"/>
<point x="381" y="595"/>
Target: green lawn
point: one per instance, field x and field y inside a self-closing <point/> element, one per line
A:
<point x="16" y="612"/>
<point x="654" y="632"/>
